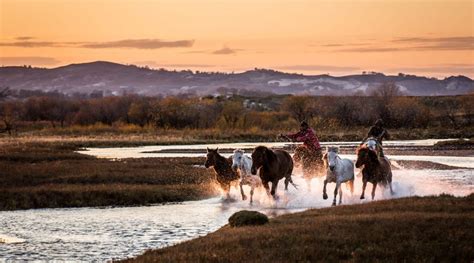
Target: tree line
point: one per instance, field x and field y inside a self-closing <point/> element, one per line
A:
<point x="237" y="112"/>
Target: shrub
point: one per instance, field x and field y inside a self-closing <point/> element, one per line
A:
<point x="247" y="218"/>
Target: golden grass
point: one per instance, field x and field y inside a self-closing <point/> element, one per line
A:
<point x="39" y="175"/>
<point x="428" y="229"/>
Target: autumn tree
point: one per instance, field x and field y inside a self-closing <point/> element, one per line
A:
<point x="299" y="107"/>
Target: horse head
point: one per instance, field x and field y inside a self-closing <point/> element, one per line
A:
<point x="237" y="159"/>
<point x="260" y="156"/>
<point x="365" y="156"/>
<point x="211" y="157"/>
<point x="330" y="157"/>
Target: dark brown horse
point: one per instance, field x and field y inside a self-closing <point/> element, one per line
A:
<point x="311" y="162"/>
<point x="273" y="165"/>
<point x="223" y="168"/>
<point x="376" y="170"/>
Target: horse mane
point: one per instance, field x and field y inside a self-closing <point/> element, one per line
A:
<point x="361" y="148"/>
<point x="267" y="153"/>
<point x="270" y="155"/>
<point x="373" y="156"/>
<point x="325" y="159"/>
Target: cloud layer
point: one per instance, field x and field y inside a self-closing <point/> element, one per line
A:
<point x="28" y="61"/>
<point x="458" y="43"/>
<point x="27" y="42"/>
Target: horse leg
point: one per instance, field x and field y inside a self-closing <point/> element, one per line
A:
<point x="244" y="197"/>
<point x="287" y="181"/>
<point x="251" y="193"/>
<point x="274" y="187"/>
<point x="267" y="188"/>
<point x="325" y="195"/>
<point x="335" y="193"/>
<point x="340" y="195"/>
<point x="391" y="190"/>
<point x="364" y="184"/>
<point x="373" y="190"/>
<point x="227" y="191"/>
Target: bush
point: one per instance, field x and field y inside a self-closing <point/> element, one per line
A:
<point x="247" y="218"/>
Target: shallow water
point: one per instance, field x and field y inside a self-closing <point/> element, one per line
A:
<point x="102" y="234"/>
<point x="154" y="151"/>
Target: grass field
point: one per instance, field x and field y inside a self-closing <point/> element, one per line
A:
<point x="40" y="175"/>
<point x="415" y="229"/>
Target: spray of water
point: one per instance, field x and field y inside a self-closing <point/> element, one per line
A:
<point x="405" y="183"/>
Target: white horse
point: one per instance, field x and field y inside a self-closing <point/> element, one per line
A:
<point x="337" y="171"/>
<point x="243" y="164"/>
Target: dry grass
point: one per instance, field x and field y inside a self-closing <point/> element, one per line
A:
<point x="428" y="229"/>
<point x="38" y="175"/>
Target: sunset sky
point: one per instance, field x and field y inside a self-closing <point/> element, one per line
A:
<point x="433" y="38"/>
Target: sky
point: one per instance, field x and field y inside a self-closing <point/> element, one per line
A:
<point x="423" y="37"/>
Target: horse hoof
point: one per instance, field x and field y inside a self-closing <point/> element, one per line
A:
<point x="244" y="197"/>
<point x="325" y="196"/>
<point x="333" y="204"/>
<point x="362" y="197"/>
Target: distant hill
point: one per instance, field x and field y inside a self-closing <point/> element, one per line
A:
<point x="112" y="78"/>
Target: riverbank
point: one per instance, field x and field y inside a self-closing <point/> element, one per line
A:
<point x="52" y="175"/>
<point x="407" y="229"/>
<point x="128" y="136"/>
<point x="47" y="172"/>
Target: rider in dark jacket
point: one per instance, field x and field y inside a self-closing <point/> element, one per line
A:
<point x="378" y="132"/>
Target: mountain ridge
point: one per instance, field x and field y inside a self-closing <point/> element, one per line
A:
<point x="115" y="78"/>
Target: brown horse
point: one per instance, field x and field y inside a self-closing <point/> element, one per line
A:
<point x="223" y="168"/>
<point x="311" y="163"/>
<point x="273" y="165"/>
<point x="376" y="170"/>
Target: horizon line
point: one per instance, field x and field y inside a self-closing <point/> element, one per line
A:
<point x="155" y="68"/>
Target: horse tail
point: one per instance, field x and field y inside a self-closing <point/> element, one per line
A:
<point x="396" y="164"/>
<point x="350" y="185"/>
<point x="293" y="184"/>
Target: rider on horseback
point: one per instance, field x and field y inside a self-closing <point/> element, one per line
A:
<point x="307" y="136"/>
<point x="379" y="133"/>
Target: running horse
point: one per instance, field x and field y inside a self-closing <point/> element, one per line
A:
<point x="272" y="166"/>
<point x="376" y="170"/>
<point x="338" y="171"/>
<point x="242" y="164"/>
<point x="225" y="176"/>
<point x="310" y="162"/>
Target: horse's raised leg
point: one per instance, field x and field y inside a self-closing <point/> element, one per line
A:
<point x="364" y="184"/>
<point x="335" y="193"/>
<point x="325" y="195"/>
<point x="244" y="197"/>
<point x="373" y="190"/>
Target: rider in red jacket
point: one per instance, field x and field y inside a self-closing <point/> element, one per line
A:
<point x="307" y="136"/>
